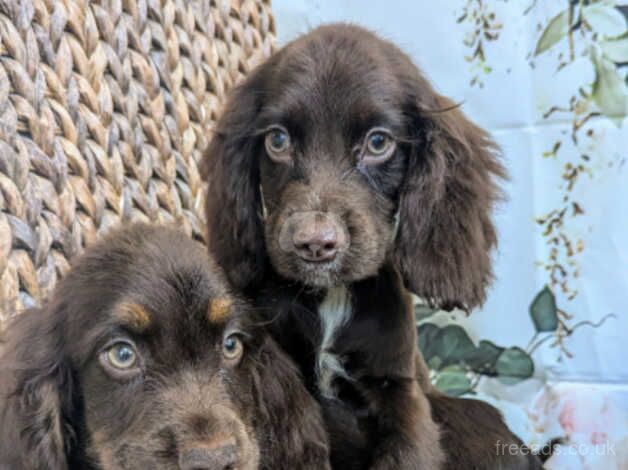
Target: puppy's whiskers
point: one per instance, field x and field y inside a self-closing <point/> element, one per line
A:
<point x="370" y="179"/>
<point x="347" y="173"/>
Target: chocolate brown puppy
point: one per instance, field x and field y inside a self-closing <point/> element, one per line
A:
<point x="144" y="358"/>
<point x="337" y="179"/>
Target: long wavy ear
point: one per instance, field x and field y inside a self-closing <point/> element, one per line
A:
<point x="445" y="230"/>
<point x="291" y="426"/>
<point x="233" y="206"/>
<point x="36" y="394"/>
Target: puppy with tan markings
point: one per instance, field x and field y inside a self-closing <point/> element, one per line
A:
<point x="143" y="358"/>
<point x="337" y="179"/>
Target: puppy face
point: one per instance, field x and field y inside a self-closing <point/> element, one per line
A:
<point x="332" y="159"/>
<point x="337" y="155"/>
<point x="144" y="359"/>
<point x="162" y="369"/>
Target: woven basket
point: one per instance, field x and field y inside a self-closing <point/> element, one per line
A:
<point x="105" y="108"/>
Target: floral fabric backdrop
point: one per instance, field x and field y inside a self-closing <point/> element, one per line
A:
<point x="549" y="79"/>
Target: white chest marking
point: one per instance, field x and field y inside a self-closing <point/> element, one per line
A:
<point x="334" y="313"/>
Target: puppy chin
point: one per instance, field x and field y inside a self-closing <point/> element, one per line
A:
<point x="320" y="277"/>
<point x="317" y="275"/>
<point x="325" y="275"/>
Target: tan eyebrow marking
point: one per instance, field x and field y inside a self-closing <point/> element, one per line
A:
<point x="219" y="309"/>
<point x="132" y="314"/>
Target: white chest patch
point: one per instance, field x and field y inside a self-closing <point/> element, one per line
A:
<point x="334" y="313"/>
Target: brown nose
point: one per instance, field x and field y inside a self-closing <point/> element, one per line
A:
<point x="221" y="457"/>
<point x="316" y="239"/>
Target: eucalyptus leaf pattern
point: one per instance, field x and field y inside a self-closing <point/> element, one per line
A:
<point x="593" y="31"/>
<point x="543" y="311"/>
<point x="555" y="31"/>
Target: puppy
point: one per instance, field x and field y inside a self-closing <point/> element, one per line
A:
<point x="143" y="358"/>
<point x="337" y="179"/>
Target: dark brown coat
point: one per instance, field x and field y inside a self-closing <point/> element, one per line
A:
<point x="337" y="178"/>
<point x="143" y="358"/>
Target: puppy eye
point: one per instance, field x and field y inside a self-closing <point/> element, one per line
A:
<point x="379" y="147"/>
<point x="378" y="143"/>
<point x="277" y="142"/>
<point x="122" y="356"/>
<point x="120" y="360"/>
<point x="232" y="348"/>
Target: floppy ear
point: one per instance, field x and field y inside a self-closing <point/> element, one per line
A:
<point x="233" y="206"/>
<point x="37" y="386"/>
<point x="445" y="230"/>
<point x="290" y="425"/>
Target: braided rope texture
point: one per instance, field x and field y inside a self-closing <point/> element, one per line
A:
<point x="105" y="108"/>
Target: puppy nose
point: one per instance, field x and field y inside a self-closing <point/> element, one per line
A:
<point x="316" y="242"/>
<point x="221" y="457"/>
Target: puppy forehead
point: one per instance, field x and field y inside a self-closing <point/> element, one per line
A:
<point x="133" y="315"/>
<point x="219" y="309"/>
<point x="328" y="63"/>
<point x="319" y="103"/>
<point x="189" y="297"/>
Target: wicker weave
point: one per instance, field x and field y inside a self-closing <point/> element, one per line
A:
<point x="105" y="107"/>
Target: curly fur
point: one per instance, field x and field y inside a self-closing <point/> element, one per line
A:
<point x="62" y="408"/>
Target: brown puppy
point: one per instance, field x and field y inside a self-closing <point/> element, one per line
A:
<point x="337" y="177"/>
<point x="143" y="358"/>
